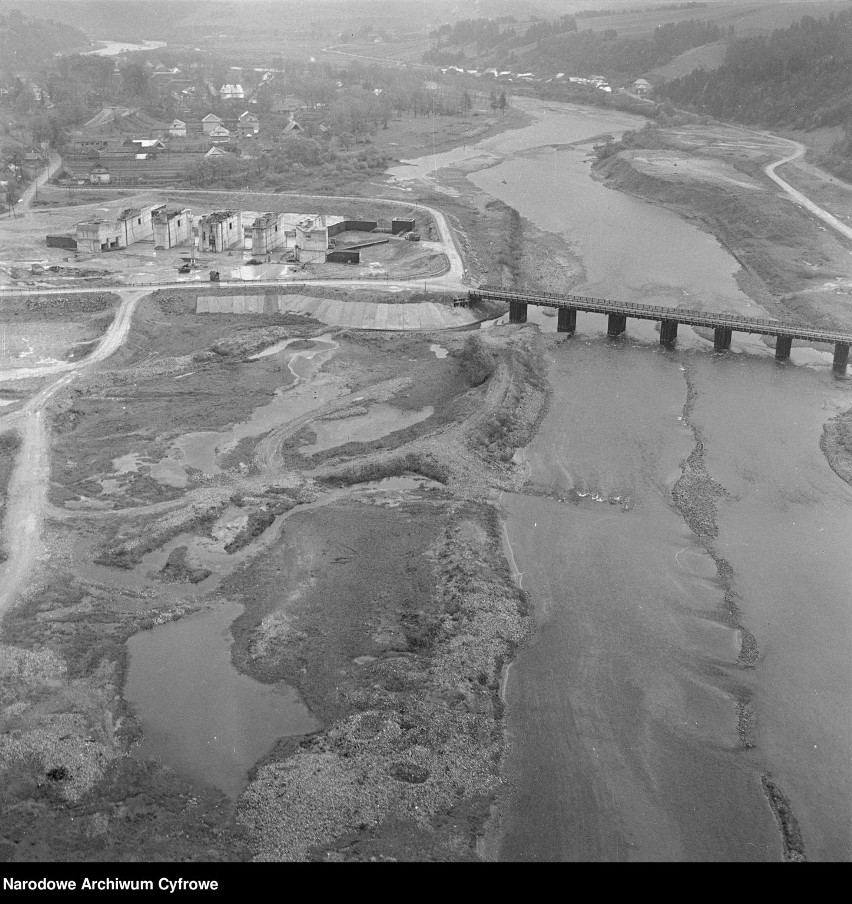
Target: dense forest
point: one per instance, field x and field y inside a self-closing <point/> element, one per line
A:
<point x="605" y="51"/>
<point x="547" y="46"/>
<point x="27" y="43"/>
<point x="800" y="76"/>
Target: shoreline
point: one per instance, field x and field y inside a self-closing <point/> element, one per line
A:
<point x="835" y="446"/>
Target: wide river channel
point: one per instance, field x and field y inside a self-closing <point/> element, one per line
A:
<point x="638" y="731"/>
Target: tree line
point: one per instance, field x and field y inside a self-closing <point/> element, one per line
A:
<point x="553" y="45"/>
<point x="799" y="76"/>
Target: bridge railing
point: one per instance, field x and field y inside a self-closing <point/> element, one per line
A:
<point x="659" y="312"/>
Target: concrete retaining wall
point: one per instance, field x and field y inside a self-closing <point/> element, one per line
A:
<point x="361" y="315"/>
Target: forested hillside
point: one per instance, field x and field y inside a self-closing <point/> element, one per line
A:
<point x="27" y="44"/>
<point x="547" y="46"/>
<point x="799" y="76"/>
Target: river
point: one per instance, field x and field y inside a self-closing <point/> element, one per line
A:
<point x="638" y="730"/>
<point x="116" y="48"/>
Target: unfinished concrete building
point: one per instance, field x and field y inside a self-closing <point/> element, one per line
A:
<point x="221" y="230"/>
<point x="100" y="235"/>
<point x="400" y="226"/>
<point x="312" y="234"/>
<point x="172" y="226"/>
<point x="135" y="224"/>
<point x="268" y="233"/>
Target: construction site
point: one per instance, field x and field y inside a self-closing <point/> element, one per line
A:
<point x="163" y="237"/>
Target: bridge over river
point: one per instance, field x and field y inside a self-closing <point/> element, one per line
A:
<point x="723" y="325"/>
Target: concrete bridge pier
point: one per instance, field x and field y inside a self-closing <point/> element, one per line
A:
<point x="566" y="320"/>
<point x="616" y="324"/>
<point x="782" y="347"/>
<point x="517" y="312"/>
<point x="668" y="332"/>
<point x="841" y="357"/>
<point x="722" y="338"/>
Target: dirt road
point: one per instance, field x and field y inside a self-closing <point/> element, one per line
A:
<point x="801" y="199"/>
<point x="52" y="168"/>
<point x="27" y="500"/>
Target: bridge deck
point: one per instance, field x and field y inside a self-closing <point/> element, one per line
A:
<point x="658" y="312"/>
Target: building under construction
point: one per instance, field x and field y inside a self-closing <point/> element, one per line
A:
<point x="221" y="231"/>
<point x="135" y="224"/>
<point x="268" y="232"/>
<point x="172" y="227"/>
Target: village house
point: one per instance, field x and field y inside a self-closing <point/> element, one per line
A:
<point x="172" y="226"/>
<point x="642" y="87"/>
<point x="248" y="124"/>
<point x="221" y="230"/>
<point x="147" y="145"/>
<point x="177" y="129"/>
<point x="99" y="175"/>
<point x="87" y="145"/>
<point x="232" y="92"/>
<point x="219" y="135"/>
<point x="211" y="121"/>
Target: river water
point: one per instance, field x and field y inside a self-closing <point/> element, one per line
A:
<point x="637" y="731"/>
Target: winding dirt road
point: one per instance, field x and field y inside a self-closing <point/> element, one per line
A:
<point x="27" y="497"/>
<point x="798" y="197"/>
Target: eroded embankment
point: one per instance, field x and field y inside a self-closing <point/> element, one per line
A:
<point x="695" y="495"/>
<point x="780" y="251"/>
<point x="836" y="445"/>
<point x="502" y="248"/>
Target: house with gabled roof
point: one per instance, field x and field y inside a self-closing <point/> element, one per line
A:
<point x="210" y="122"/>
<point x="219" y="135"/>
<point x="232" y="92"/>
<point x="248" y="124"/>
<point x="99" y="175"/>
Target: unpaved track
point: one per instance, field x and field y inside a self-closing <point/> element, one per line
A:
<point x="27" y="499"/>
<point x="52" y="168"/>
<point x="798" y="197"/>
